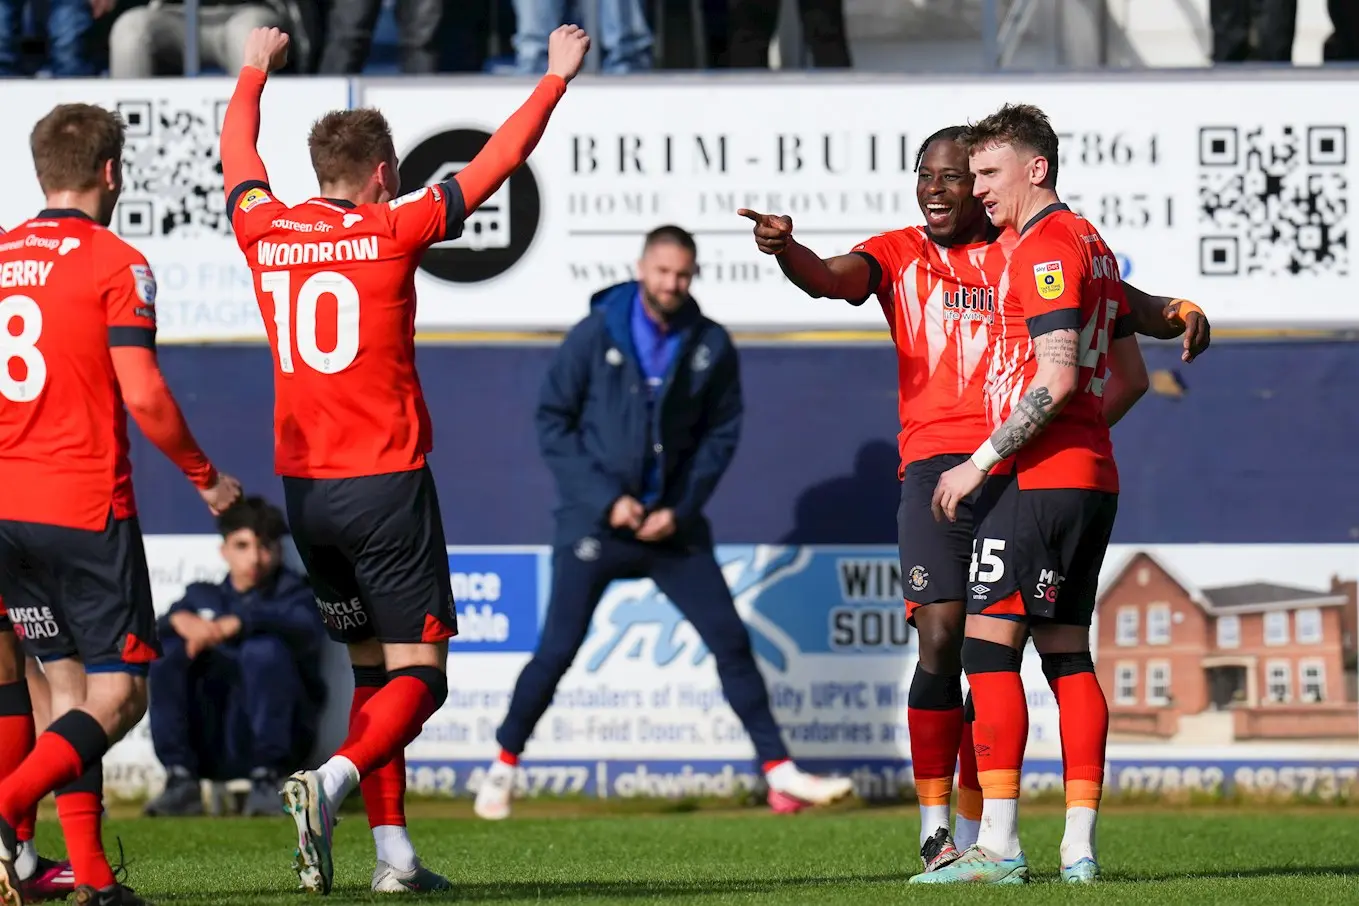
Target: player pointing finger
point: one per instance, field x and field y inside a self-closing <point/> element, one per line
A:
<point x="772" y="231"/>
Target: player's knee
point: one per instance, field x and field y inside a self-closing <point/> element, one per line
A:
<point x="369" y="677"/>
<point x="940" y="643"/>
<point x="933" y="692"/>
<point x="435" y="680"/>
<point x="1066" y="663"/>
<point x="981" y="656"/>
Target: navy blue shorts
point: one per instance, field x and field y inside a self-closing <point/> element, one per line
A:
<point x="77" y="593"/>
<point x="934" y="555"/>
<point x="1039" y="552"/>
<point x="375" y="555"/>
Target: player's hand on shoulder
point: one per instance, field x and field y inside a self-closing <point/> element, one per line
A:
<point x="566" y="50"/>
<point x="772" y="231"/>
<point x="222" y="495"/>
<point x="266" y="49"/>
<point x="1198" y="333"/>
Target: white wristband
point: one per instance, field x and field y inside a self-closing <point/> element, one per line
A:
<point x="986" y="457"/>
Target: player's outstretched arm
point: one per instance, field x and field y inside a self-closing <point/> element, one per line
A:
<point x="1127" y="380"/>
<point x="266" y="51"/>
<point x="1166" y="318"/>
<point x="846" y="277"/>
<point x="514" y="141"/>
<point x="156" y="413"/>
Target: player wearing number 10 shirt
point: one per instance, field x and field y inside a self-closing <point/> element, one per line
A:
<point x="335" y="281"/>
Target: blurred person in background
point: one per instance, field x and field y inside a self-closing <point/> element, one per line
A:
<point x="433" y="36"/>
<point x="1259" y="31"/>
<point x="752" y="24"/>
<point x="638" y="419"/>
<point x="149" y="40"/>
<point x="238" y="687"/>
<point x="1343" y="44"/>
<point x="69" y="23"/>
<point x="622" y="31"/>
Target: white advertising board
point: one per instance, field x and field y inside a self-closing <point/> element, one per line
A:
<point x="172" y="207"/>
<point x="1232" y="193"/>
<point x="1224" y="665"/>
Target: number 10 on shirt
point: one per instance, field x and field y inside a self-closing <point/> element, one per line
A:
<point x="278" y="284"/>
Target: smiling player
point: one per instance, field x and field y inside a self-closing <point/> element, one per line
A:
<point x="940" y="287"/>
<point x="1065" y="367"/>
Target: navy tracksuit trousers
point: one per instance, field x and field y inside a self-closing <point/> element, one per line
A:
<point x="236" y="708"/>
<point x="693" y="581"/>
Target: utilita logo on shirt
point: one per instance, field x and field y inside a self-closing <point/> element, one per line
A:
<point x="969" y="304"/>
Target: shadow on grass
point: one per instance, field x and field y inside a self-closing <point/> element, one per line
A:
<point x="558" y="890"/>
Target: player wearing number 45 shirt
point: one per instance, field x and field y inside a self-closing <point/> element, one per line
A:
<point x="940" y="286"/>
<point x="1064" y="368"/>
<point x="77" y="336"/>
<point x="335" y="279"/>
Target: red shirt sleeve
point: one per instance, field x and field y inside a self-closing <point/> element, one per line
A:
<point x="428" y="215"/>
<point x="1048" y="274"/>
<point x="253" y="208"/>
<point x="129" y="291"/>
<point x="887" y="254"/>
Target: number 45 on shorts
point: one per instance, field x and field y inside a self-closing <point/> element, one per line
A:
<point x="987" y="565"/>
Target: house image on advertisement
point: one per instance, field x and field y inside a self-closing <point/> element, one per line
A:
<point x="1206" y="666"/>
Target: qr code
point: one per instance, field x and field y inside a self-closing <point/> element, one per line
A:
<point x="1273" y="201"/>
<point x="172" y="170"/>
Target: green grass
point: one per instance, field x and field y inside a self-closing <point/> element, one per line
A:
<point x="587" y="853"/>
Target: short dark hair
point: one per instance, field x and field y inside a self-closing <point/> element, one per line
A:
<point x="947" y="134"/>
<point x="258" y="515"/>
<point x="346" y="145"/>
<point x="72" y="145"/>
<point x="1017" y="124"/>
<point x="672" y="235"/>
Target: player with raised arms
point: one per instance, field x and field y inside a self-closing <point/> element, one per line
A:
<point x="73" y="570"/>
<point x="1065" y="367"/>
<point x="335" y="280"/>
<point x="940" y="286"/>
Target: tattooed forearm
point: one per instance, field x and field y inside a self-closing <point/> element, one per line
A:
<point x="1034" y="410"/>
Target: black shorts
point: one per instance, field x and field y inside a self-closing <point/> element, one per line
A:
<point x="1038" y="553"/>
<point x="375" y="555"/>
<point x="76" y="593"/>
<point x="934" y="555"/>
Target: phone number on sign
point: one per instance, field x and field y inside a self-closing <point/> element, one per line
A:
<point x="529" y="781"/>
<point x="1322" y="782"/>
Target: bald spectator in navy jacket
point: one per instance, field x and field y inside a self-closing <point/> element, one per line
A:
<point x="638" y="419"/>
<point x="237" y="689"/>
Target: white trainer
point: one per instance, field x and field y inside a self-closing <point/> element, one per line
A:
<point x="497" y="788"/>
<point x="788" y="782"/>
<point x="419" y="879"/>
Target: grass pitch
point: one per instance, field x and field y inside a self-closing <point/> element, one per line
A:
<point x="587" y="853"/>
